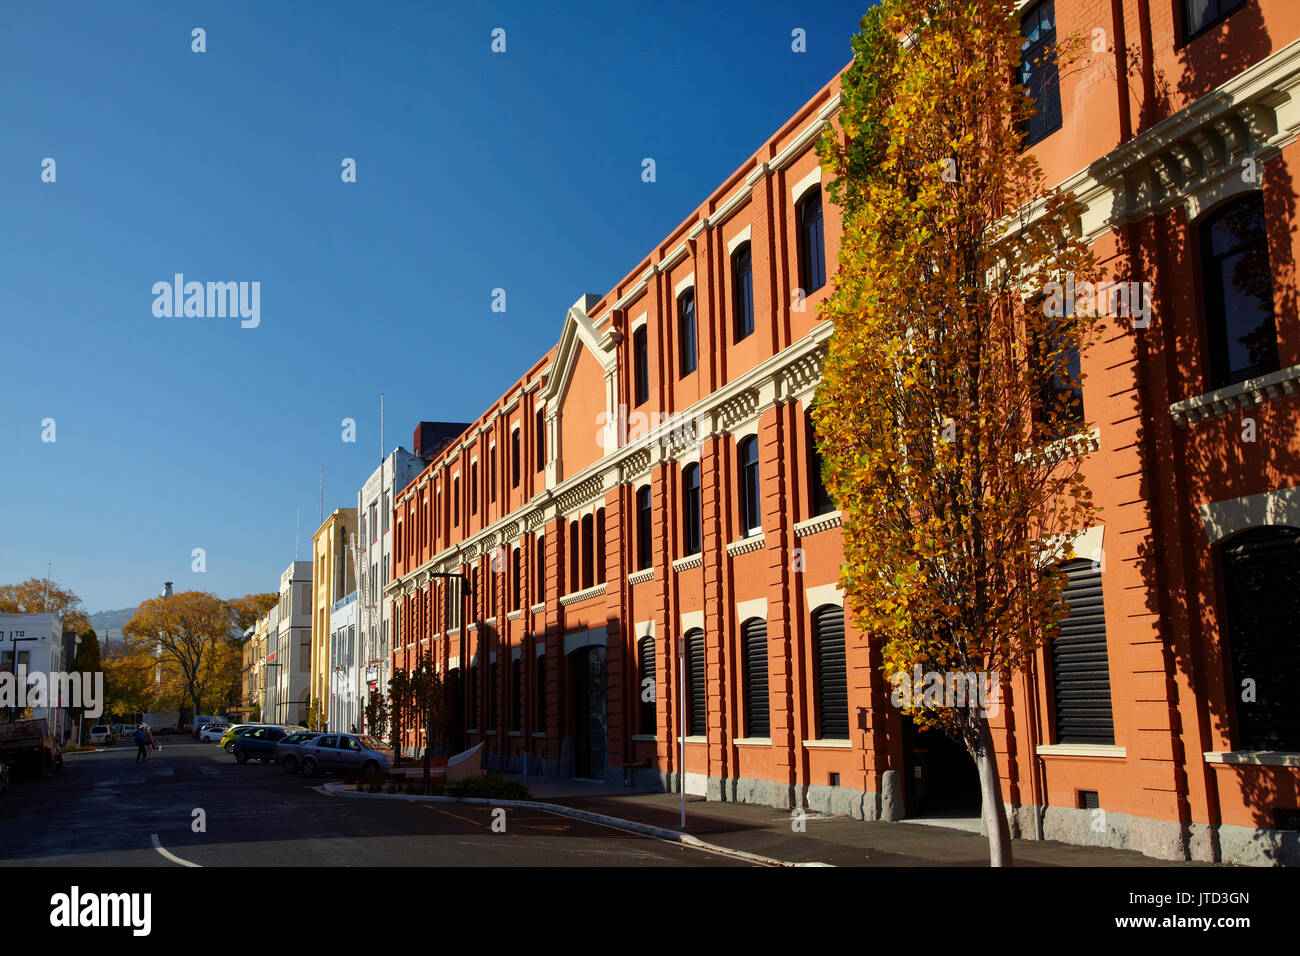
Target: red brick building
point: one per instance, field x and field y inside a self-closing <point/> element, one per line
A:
<point x="644" y="500"/>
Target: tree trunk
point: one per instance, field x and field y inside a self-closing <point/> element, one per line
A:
<point x="995" y="817"/>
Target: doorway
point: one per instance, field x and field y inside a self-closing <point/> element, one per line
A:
<point x="940" y="778"/>
<point x="589" y="731"/>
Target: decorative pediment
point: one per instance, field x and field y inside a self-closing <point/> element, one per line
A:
<point x="579" y="332"/>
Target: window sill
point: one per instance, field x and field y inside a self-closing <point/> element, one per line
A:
<point x="690" y="561"/>
<point x="819" y="523"/>
<point x="1258" y="758"/>
<point x="539" y="733"/>
<point x="752" y="741"/>
<point x="755" y="542"/>
<point x="638" y="577"/>
<point x="538" y="608"/>
<point x="645" y="738"/>
<point x="584" y="595"/>
<point x="1081" y="750"/>
<point x="513" y="733"/>
<point x="829" y="744"/>
<point x="1073" y="446"/>
<point x="694" y="740"/>
<point x="1223" y="401"/>
<point x="514" y="615"/>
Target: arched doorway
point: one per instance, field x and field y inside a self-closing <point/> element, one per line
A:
<point x="589" y="729"/>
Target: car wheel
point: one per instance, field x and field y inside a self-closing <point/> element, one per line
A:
<point x="230" y="747"/>
<point x="290" y="764"/>
<point x="241" y="756"/>
<point x="308" y="767"/>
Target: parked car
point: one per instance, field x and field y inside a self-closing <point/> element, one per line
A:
<point x="258" y="743"/>
<point x="345" y="753"/>
<point x="102" y="734"/>
<point x="121" y="730"/>
<point x="213" y="732"/>
<point x="228" y="738"/>
<point x="288" y="752"/>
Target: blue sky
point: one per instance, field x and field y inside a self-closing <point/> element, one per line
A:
<point x="475" y="171"/>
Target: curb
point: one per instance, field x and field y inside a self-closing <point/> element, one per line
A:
<point x="617" y="823"/>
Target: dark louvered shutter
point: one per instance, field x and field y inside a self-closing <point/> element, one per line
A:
<point x="1080" y="675"/>
<point x="832" y="674"/>
<point x="517" y="696"/>
<point x="1261" y="583"/>
<point x="754" y="638"/>
<point x="540" y="669"/>
<point x="646" y="687"/>
<point x="697" y="687"/>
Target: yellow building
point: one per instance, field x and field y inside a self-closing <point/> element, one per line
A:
<point x="332" y="579"/>
<point x="253" y="696"/>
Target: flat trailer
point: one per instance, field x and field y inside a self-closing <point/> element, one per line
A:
<point x="28" y="745"/>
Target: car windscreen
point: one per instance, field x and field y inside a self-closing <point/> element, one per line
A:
<point x="374" y="743"/>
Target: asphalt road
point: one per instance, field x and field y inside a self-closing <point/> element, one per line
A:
<point x="106" y="810"/>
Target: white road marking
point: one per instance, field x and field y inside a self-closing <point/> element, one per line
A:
<point x="157" y="845"/>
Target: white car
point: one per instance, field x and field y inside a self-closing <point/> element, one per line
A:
<point x="213" y="732"/>
<point x="101" y="734"/>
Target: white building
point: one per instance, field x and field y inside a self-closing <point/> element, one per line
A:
<point x="374" y="610"/>
<point x="346" y="670"/>
<point x="288" y="649"/>
<point x="33" y="644"/>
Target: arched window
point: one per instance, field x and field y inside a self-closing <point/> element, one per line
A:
<point x="599" y="546"/>
<point x="742" y="290"/>
<point x="751" y="521"/>
<point x="646" y="689"/>
<point x="516" y="694"/>
<point x="588" y="551"/>
<point x="644" y="529"/>
<point x="812" y="245"/>
<point x="516" y="581"/>
<point x="831" y="673"/>
<point x="1261" y="589"/>
<point x="540" y="565"/>
<point x="1240" y="330"/>
<point x="691" y="509"/>
<point x="820" y="501"/>
<point x="697" y="688"/>
<point x="640" y="366"/>
<point x="1039" y="74"/>
<point x="753" y="635"/>
<point x="574" y="533"/>
<point x="686" y="332"/>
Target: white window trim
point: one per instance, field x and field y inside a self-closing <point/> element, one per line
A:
<point x="639" y="321"/>
<point x="798" y="190"/>
<point x="737" y="240"/>
<point x="687" y="283"/>
<point x="1223" y="519"/>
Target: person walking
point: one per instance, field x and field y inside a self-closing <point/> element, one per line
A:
<point x="142" y="743"/>
<point x="152" y="746"/>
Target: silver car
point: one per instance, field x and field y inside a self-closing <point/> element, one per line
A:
<point x="289" y="750"/>
<point x="344" y="753"/>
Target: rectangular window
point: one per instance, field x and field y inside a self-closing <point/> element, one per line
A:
<point x="540" y="565"/>
<point x="516" y="694"/>
<point x="540" y="696"/>
<point x="1240" y="323"/>
<point x="1202" y="15"/>
<point x="1059" y="413"/>
<point x="812" y="243"/>
<point x="492" y="473"/>
<point x="384" y="510"/>
<point x="641" y="366"/>
<point x="473" y="488"/>
<point x="455" y="501"/>
<point x="1038" y="71"/>
<point x="374" y="523"/>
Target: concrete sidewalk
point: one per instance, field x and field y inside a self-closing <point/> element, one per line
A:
<point x="839" y="841"/>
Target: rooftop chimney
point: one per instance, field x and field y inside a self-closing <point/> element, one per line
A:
<point x="167" y="589"/>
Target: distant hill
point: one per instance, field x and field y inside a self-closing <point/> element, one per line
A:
<point x="112" y="622"/>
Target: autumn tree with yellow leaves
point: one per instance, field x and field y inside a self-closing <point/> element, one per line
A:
<point x="945" y="414"/>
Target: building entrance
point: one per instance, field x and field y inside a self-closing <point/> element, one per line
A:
<point x="940" y="779"/>
<point x="589" y="731"/>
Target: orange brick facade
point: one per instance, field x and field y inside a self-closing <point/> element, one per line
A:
<point x="553" y="681"/>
